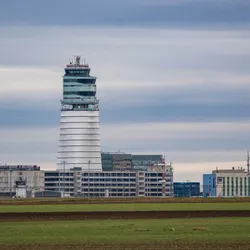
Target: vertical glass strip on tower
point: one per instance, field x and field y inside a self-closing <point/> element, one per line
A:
<point x="79" y="144"/>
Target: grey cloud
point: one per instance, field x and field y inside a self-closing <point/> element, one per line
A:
<point x="27" y="148"/>
<point x="210" y="102"/>
<point x="126" y="13"/>
<point x="27" y="145"/>
<point x="210" y="157"/>
<point x="36" y="117"/>
<point x="200" y="137"/>
<point x="130" y="54"/>
<point x="142" y="76"/>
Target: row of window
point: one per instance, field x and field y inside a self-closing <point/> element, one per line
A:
<point x="109" y="184"/>
<point x="110" y="194"/>
<point x="109" y="174"/>
<point x="154" y="190"/>
<point x="153" y="174"/>
<point x="57" y="174"/>
<point x="110" y="190"/>
<point x="108" y="180"/>
<point x="57" y="184"/>
<point x="57" y="179"/>
<point x="88" y="80"/>
<point x="57" y="189"/>
<point x="82" y="72"/>
<point x="157" y="184"/>
<point x="80" y="93"/>
<point x="156" y="180"/>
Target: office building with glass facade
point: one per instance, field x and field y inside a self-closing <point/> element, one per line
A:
<point x="143" y="162"/>
<point x="186" y="189"/>
<point x="116" y="162"/>
<point x="129" y="162"/>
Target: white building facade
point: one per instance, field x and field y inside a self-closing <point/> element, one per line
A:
<point x="79" y="143"/>
<point x="232" y="182"/>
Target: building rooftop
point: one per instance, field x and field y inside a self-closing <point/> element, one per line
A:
<point x="233" y="170"/>
<point x="19" y="167"/>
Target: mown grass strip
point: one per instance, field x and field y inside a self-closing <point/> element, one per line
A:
<point x="125" y="207"/>
<point x="127" y="231"/>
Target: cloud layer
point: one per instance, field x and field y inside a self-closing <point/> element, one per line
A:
<point x="144" y="13"/>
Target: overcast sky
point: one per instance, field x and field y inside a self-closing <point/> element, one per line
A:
<point x="173" y="78"/>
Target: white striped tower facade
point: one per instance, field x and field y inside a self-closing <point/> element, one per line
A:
<point x="79" y="143"/>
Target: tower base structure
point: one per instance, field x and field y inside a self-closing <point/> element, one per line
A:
<point x="79" y="142"/>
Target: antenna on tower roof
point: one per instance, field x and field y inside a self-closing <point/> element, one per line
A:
<point x="78" y="58"/>
<point x="85" y="61"/>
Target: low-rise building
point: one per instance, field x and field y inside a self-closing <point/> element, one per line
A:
<point x="186" y="189"/>
<point x="30" y="174"/>
<point x="112" y="183"/>
<point x="157" y="181"/>
<point x="227" y="183"/>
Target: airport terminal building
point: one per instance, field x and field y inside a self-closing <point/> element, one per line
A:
<point x="81" y="183"/>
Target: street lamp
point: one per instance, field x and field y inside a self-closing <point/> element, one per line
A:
<point x="63" y="162"/>
<point x="88" y="177"/>
<point x="189" y="188"/>
<point x="10" y="182"/>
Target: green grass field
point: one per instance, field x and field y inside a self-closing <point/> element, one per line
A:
<point x="148" y="234"/>
<point x="125" y="207"/>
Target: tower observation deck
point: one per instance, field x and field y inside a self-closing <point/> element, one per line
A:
<point x="79" y="143"/>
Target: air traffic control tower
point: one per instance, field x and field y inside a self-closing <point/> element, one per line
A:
<point x="79" y="143"/>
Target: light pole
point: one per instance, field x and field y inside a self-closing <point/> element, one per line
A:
<point x="88" y="178"/>
<point x="10" y="182"/>
<point x="64" y="162"/>
<point x="189" y="188"/>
